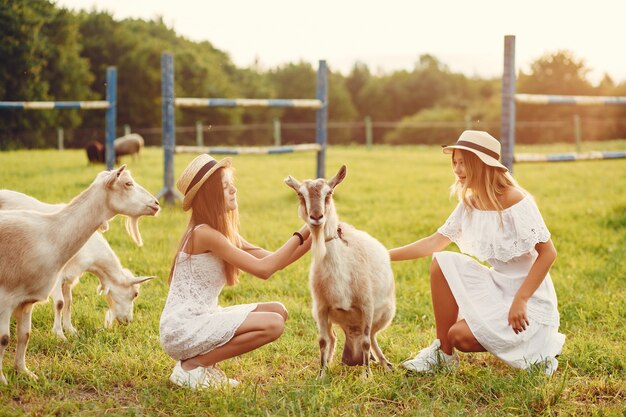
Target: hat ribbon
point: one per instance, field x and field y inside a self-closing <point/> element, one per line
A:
<point x="479" y="148"/>
<point x="200" y="174"/>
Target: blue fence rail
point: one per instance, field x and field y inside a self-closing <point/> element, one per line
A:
<point x="510" y="98"/>
<point x="110" y="104"/>
<point x="170" y="102"/>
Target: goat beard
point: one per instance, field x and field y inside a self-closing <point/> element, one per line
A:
<point x="318" y="243"/>
<point x="132" y="227"/>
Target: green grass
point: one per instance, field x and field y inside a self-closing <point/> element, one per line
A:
<point x="397" y="194"/>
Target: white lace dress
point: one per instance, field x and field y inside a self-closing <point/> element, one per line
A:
<point x="192" y="322"/>
<point x="484" y="295"/>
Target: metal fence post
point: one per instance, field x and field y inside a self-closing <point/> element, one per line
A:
<point x="111" y="117"/>
<point x="321" y="117"/>
<point x="277" y="137"/>
<point x="199" y="134"/>
<point x="577" y="132"/>
<point x="167" y="107"/>
<point x="507" y="130"/>
<point x="369" y="139"/>
<point x="60" y="138"/>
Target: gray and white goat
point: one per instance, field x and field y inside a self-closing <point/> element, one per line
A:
<point x="350" y="277"/>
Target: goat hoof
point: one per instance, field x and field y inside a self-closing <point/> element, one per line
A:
<point x="72" y="330"/>
<point x="59" y="333"/>
<point x="29" y="373"/>
<point x="3" y="380"/>
<point x="322" y="374"/>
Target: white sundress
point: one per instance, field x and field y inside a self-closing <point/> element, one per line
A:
<point x="484" y="295"/>
<point x="192" y="323"/>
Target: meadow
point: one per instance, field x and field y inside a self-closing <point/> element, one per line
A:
<point x="397" y="194"/>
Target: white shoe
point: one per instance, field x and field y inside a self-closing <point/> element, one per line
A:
<point x="431" y="358"/>
<point x="217" y="378"/>
<point x="551" y="365"/>
<point x="194" y="379"/>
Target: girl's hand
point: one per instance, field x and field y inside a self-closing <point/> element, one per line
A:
<point x="518" y="319"/>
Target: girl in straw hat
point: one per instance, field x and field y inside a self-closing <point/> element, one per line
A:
<point x="509" y="309"/>
<point x="194" y="329"/>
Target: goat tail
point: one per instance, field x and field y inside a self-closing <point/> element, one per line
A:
<point x="318" y="244"/>
<point x="132" y="228"/>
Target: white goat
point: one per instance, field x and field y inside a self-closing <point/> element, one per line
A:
<point x="350" y="277"/>
<point x="34" y="247"/>
<point x="118" y="284"/>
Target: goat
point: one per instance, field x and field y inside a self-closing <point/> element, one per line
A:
<point x="131" y="144"/>
<point x="34" y="248"/>
<point x="119" y="286"/>
<point x="350" y="277"/>
<point x="95" y="152"/>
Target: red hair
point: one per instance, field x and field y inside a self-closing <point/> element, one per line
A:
<point x="209" y="207"/>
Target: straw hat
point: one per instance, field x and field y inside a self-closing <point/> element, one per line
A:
<point x="481" y="144"/>
<point x="196" y="173"/>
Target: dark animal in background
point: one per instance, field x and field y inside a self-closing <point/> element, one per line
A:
<point x="95" y="152"/>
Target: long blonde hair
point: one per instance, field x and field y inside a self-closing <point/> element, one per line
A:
<point x="208" y="207"/>
<point x="483" y="184"/>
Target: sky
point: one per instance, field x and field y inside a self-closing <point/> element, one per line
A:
<point x="465" y="35"/>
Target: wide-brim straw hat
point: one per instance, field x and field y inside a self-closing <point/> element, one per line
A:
<point x="481" y="144"/>
<point x="197" y="172"/>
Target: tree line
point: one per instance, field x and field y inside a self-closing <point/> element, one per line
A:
<point x="51" y="53"/>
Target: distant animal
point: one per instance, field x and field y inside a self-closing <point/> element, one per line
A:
<point x="119" y="286"/>
<point x="34" y="248"/>
<point x="95" y="152"/>
<point x="350" y="277"/>
<point x="131" y="144"/>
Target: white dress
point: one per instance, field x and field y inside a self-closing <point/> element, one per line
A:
<point x="484" y="295"/>
<point x="192" y="322"/>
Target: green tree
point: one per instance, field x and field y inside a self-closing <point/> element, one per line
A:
<point x="558" y="73"/>
<point x="41" y="61"/>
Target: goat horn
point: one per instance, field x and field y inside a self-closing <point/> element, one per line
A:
<point x="139" y="280"/>
<point x="292" y="182"/>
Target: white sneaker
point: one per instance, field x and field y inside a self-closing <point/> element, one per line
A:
<point x="217" y="378"/>
<point x="194" y="379"/>
<point x="551" y="365"/>
<point x="431" y="358"/>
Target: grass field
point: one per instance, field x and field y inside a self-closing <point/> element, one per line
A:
<point x="397" y="194"/>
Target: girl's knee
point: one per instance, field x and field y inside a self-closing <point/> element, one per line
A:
<point x="460" y="339"/>
<point x="281" y="309"/>
<point x="274" y="307"/>
<point x="274" y="326"/>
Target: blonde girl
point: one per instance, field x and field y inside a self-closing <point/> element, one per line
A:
<point x="509" y="308"/>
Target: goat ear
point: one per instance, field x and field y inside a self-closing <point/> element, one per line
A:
<point x="114" y="175"/>
<point x="119" y="171"/>
<point x="292" y="182"/>
<point x="340" y="176"/>
<point x="139" y="280"/>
